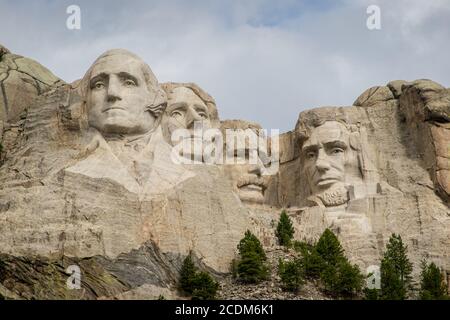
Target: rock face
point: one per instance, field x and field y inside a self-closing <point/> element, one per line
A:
<point x="91" y="177"/>
<point x="21" y="81"/>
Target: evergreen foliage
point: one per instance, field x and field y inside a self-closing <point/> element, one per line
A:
<point x="432" y="286"/>
<point x="396" y="269"/>
<point x="251" y="268"/>
<point x="285" y="230"/>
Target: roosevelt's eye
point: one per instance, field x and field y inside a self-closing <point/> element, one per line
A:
<point x="99" y="85"/>
<point x="129" y="83"/>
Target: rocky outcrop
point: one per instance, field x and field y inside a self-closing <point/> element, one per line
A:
<point x="21" y="81"/>
<point x="82" y="184"/>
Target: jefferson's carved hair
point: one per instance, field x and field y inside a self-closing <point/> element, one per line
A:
<point x="169" y="87"/>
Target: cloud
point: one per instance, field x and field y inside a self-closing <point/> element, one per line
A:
<point x="262" y="61"/>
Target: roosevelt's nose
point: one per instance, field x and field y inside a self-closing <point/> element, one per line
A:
<point x="113" y="89"/>
<point x="191" y="117"/>
<point x="255" y="169"/>
<point x="322" y="162"/>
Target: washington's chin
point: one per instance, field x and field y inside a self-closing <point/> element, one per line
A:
<point x="122" y="125"/>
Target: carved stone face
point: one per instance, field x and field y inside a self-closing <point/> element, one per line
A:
<point x="246" y="176"/>
<point x="326" y="156"/>
<point x="183" y="110"/>
<point x="118" y="96"/>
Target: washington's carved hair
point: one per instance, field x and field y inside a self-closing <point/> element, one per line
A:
<point x="159" y="103"/>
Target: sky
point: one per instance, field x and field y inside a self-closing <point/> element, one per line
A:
<point x="262" y="60"/>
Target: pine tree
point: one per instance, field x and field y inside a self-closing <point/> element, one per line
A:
<point x="329" y="248"/>
<point x="187" y="275"/>
<point x="291" y="274"/>
<point x="339" y="277"/>
<point x="432" y="285"/>
<point x="205" y="287"/>
<point x="251" y="267"/>
<point x="311" y="262"/>
<point x="199" y="285"/>
<point x="396" y="269"/>
<point x="285" y="230"/>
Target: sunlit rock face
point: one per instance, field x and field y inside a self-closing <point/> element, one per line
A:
<point x="21" y="81"/>
<point x="88" y="178"/>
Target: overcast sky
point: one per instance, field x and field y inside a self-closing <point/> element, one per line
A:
<point x="263" y="61"/>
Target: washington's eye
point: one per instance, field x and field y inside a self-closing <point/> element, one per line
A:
<point x="311" y="155"/>
<point x="129" y="83"/>
<point x="99" y="85"/>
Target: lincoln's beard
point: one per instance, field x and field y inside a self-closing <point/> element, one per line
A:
<point x="334" y="196"/>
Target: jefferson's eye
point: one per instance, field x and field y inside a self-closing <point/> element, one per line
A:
<point x="129" y="83"/>
<point x="176" y="114"/>
<point x="99" y="85"/>
<point x="203" y="115"/>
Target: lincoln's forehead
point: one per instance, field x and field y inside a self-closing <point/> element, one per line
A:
<point x="115" y="64"/>
<point x="328" y="132"/>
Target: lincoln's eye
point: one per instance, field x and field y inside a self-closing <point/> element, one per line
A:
<point x="203" y="115"/>
<point x="337" y="150"/>
<point x="129" y="83"/>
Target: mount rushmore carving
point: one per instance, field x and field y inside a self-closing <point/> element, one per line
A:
<point x="88" y="175"/>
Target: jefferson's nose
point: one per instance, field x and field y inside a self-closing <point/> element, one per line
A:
<point x="113" y="89"/>
<point x="191" y="117"/>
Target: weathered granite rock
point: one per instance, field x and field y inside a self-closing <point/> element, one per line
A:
<point x="399" y="186"/>
<point x="21" y="81"/>
<point x="88" y="178"/>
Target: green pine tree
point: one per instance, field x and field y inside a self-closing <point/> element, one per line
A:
<point x="205" y="287"/>
<point x="396" y="269"/>
<point x="329" y="248"/>
<point x="291" y="274"/>
<point x="187" y="275"/>
<point x="432" y="285"/>
<point x="371" y="294"/>
<point x="251" y="268"/>
<point x="311" y="261"/>
<point x="285" y="230"/>
<point x="197" y="284"/>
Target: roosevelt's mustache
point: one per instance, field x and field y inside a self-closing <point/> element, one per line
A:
<point x="252" y="179"/>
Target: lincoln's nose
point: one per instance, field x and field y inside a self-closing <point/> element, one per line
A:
<point x="322" y="163"/>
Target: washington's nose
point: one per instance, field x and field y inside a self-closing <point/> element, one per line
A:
<point x="191" y="117"/>
<point x="113" y="90"/>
